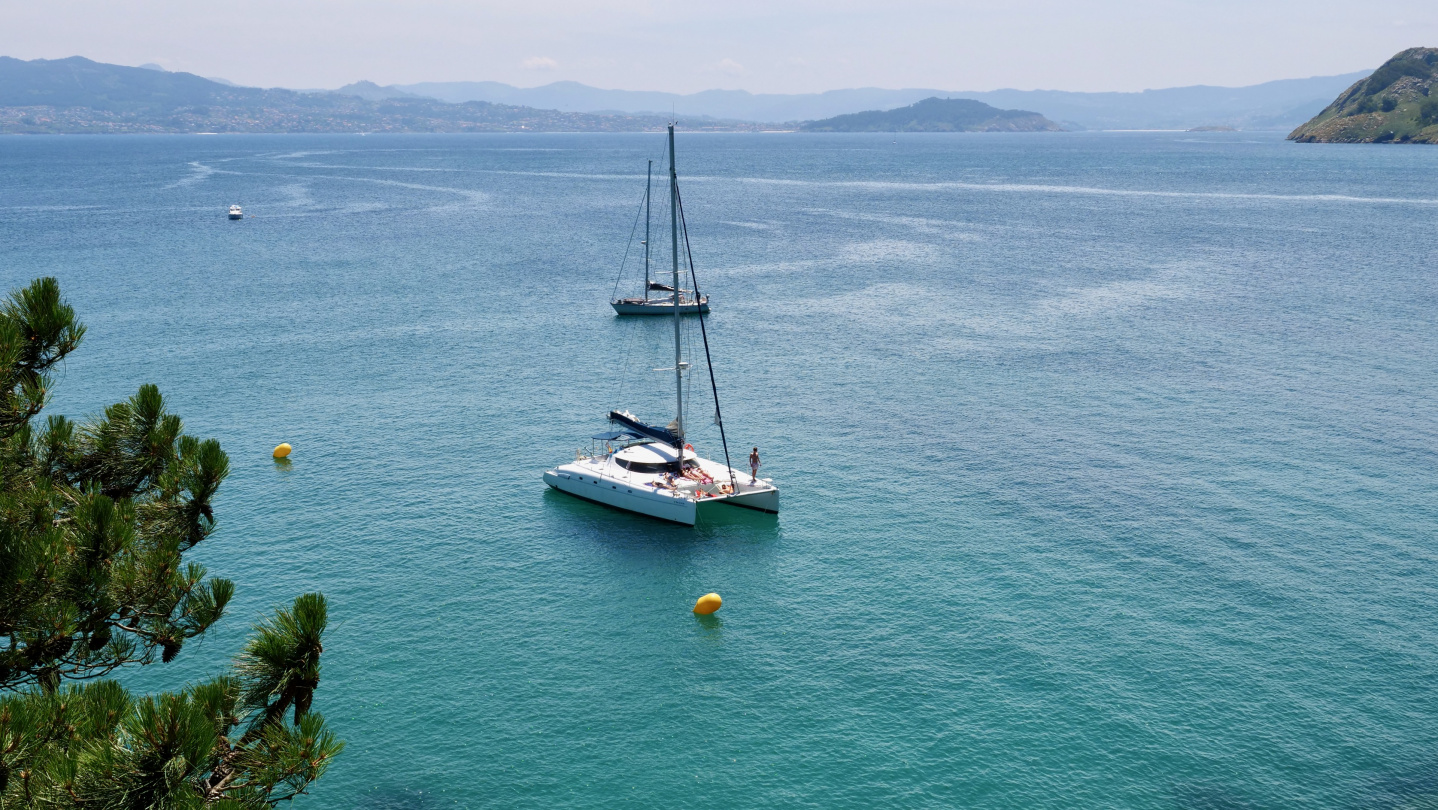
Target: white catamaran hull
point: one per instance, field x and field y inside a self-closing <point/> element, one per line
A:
<point x="599" y="480"/>
<point x="601" y="489"/>
<point x="765" y="498"/>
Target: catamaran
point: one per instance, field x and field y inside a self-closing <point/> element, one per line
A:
<point x="690" y="303"/>
<point x="653" y="470"/>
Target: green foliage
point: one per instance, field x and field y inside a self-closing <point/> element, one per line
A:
<point x="1388" y="104"/>
<point x="217" y="744"/>
<point x="1395" y="69"/>
<point x="282" y="659"/>
<point x="94" y="521"/>
<point x="94" y="518"/>
<point x="37" y="330"/>
<point x="1428" y="112"/>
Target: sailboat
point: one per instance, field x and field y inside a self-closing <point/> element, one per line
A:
<point x="662" y="304"/>
<point x="652" y="470"/>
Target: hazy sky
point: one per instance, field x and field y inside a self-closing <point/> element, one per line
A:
<point x="781" y="46"/>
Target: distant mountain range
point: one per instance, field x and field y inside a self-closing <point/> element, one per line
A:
<point x="1273" y="105"/>
<point x="937" y="115"/>
<point x="77" y="95"/>
<point x="1394" y="105"/>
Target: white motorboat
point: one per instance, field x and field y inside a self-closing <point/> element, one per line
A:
<point x="690" y="303"/>
<point x="653" y="470"/>
<point x="236" y="212"/>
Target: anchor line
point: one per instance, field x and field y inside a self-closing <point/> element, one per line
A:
<point x="699" y="310"/>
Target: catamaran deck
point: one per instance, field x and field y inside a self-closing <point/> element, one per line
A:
<point x="630" y="479"/>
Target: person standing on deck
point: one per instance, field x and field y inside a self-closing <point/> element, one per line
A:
<point x="754" y="466"/>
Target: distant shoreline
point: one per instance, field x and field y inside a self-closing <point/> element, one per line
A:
<point x="80" y="96"/>
<point x="680" y="130"/>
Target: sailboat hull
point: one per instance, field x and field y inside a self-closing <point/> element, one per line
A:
<point x="763" y="501"/>
<point x="664" y="308"/>
<point x="570" y="479"/>
<point x="600" y="480"/>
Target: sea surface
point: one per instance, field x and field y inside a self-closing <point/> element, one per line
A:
<point x="1109" y="461"/>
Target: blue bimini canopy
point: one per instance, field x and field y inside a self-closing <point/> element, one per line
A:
<point x="632" y="425"/>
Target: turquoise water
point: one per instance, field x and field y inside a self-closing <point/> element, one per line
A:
<point x="1108" y="460"/>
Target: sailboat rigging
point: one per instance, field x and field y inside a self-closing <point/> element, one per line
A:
<point x="653" y="470"/>
<point x="690" y="301"/>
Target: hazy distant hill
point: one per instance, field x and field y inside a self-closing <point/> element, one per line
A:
<point x="79" y="82"/>
<point x="1272" y="105"/>
<point x="937" y="115"/>
<point x="78" y="95"/>
<point x="1394" y="105"/>
<point x="373" y="92"/>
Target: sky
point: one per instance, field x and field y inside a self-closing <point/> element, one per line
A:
<point x="764" y="46"/>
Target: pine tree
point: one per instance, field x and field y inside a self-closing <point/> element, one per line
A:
<point x="95" y="519"/>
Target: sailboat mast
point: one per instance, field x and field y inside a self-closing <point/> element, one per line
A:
<point x="648" y="183"/>
<point x="674" y="241"/>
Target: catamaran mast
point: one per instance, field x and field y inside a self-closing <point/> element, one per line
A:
<point x="648" y="182"/>
<point x="674" y="241"/>
<point x="704" y="334"/>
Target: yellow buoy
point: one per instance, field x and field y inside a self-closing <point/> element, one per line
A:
<point x="708" y="603"/>
<point x="283" y="450"/>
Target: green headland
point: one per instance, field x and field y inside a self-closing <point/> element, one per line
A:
<point x="1396" y="104"/>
